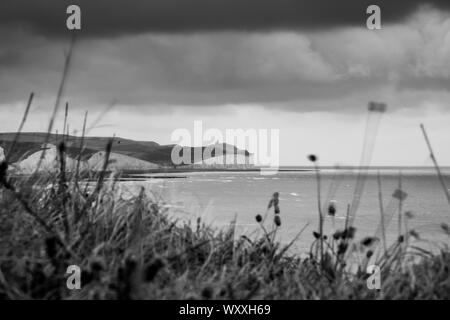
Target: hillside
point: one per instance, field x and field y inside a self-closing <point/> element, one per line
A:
<point x="149" y="152"/>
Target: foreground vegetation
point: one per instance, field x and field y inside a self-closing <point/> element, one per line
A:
<point x="132" y="249"/>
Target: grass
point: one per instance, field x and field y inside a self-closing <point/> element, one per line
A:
<point x="133" y="249"/>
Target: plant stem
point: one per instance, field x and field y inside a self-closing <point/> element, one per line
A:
<point x="380" y="201"/>
<point x="433" y="158"/>
<point x="320" y="210"/>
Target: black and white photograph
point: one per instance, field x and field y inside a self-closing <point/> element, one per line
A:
<point x="246" y="151"/>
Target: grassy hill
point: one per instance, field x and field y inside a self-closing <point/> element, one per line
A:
<point x="31" y="142"/>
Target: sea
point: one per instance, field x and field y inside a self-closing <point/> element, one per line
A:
<point x="219" y="198"/>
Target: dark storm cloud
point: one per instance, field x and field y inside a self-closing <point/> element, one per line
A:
<point x="160" y="62"/>
<point x="107" y="17"/>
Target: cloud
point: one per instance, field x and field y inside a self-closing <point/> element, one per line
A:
<point x="120" y="17"/>
<point x="310" y="70"/>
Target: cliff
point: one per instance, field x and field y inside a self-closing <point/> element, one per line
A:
<point x="126" y="154"/>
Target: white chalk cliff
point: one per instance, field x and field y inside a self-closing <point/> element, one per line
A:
<point x="49" y="163"/>
<point x="119" y="162"/>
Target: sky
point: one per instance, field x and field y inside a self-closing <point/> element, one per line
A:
<point x="143" y="69"/>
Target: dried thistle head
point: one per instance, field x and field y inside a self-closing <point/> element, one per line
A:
<point x="342" y="248"/>
<point x="338" y="234"/>
<point x="350" y="232"/>
<point x="258" y="218"/>
<point x="400" y="195"/>
<point x="274" y="201"/>
<point x="368" y="241"/>
<point x="276" y="209"/>
<point x="332" y="209"/>
<point x="277" y="220"/>
<point x="377" y="107"/>
<point x="312" y="158"/>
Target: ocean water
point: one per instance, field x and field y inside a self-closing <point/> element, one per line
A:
<point x="220" y="197"/>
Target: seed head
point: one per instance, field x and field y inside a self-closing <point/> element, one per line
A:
<point x="258" y="218"/>
<point x="338" y="234"/>
<point x="332" y="210"/>
<point x="277" y="220"/>
<point x="414" y="234"/>
<point x="312" y="158"/>
<point x="368" y="241"/>
<point x="342" y="247"/>
<point x="350" y="232"/>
